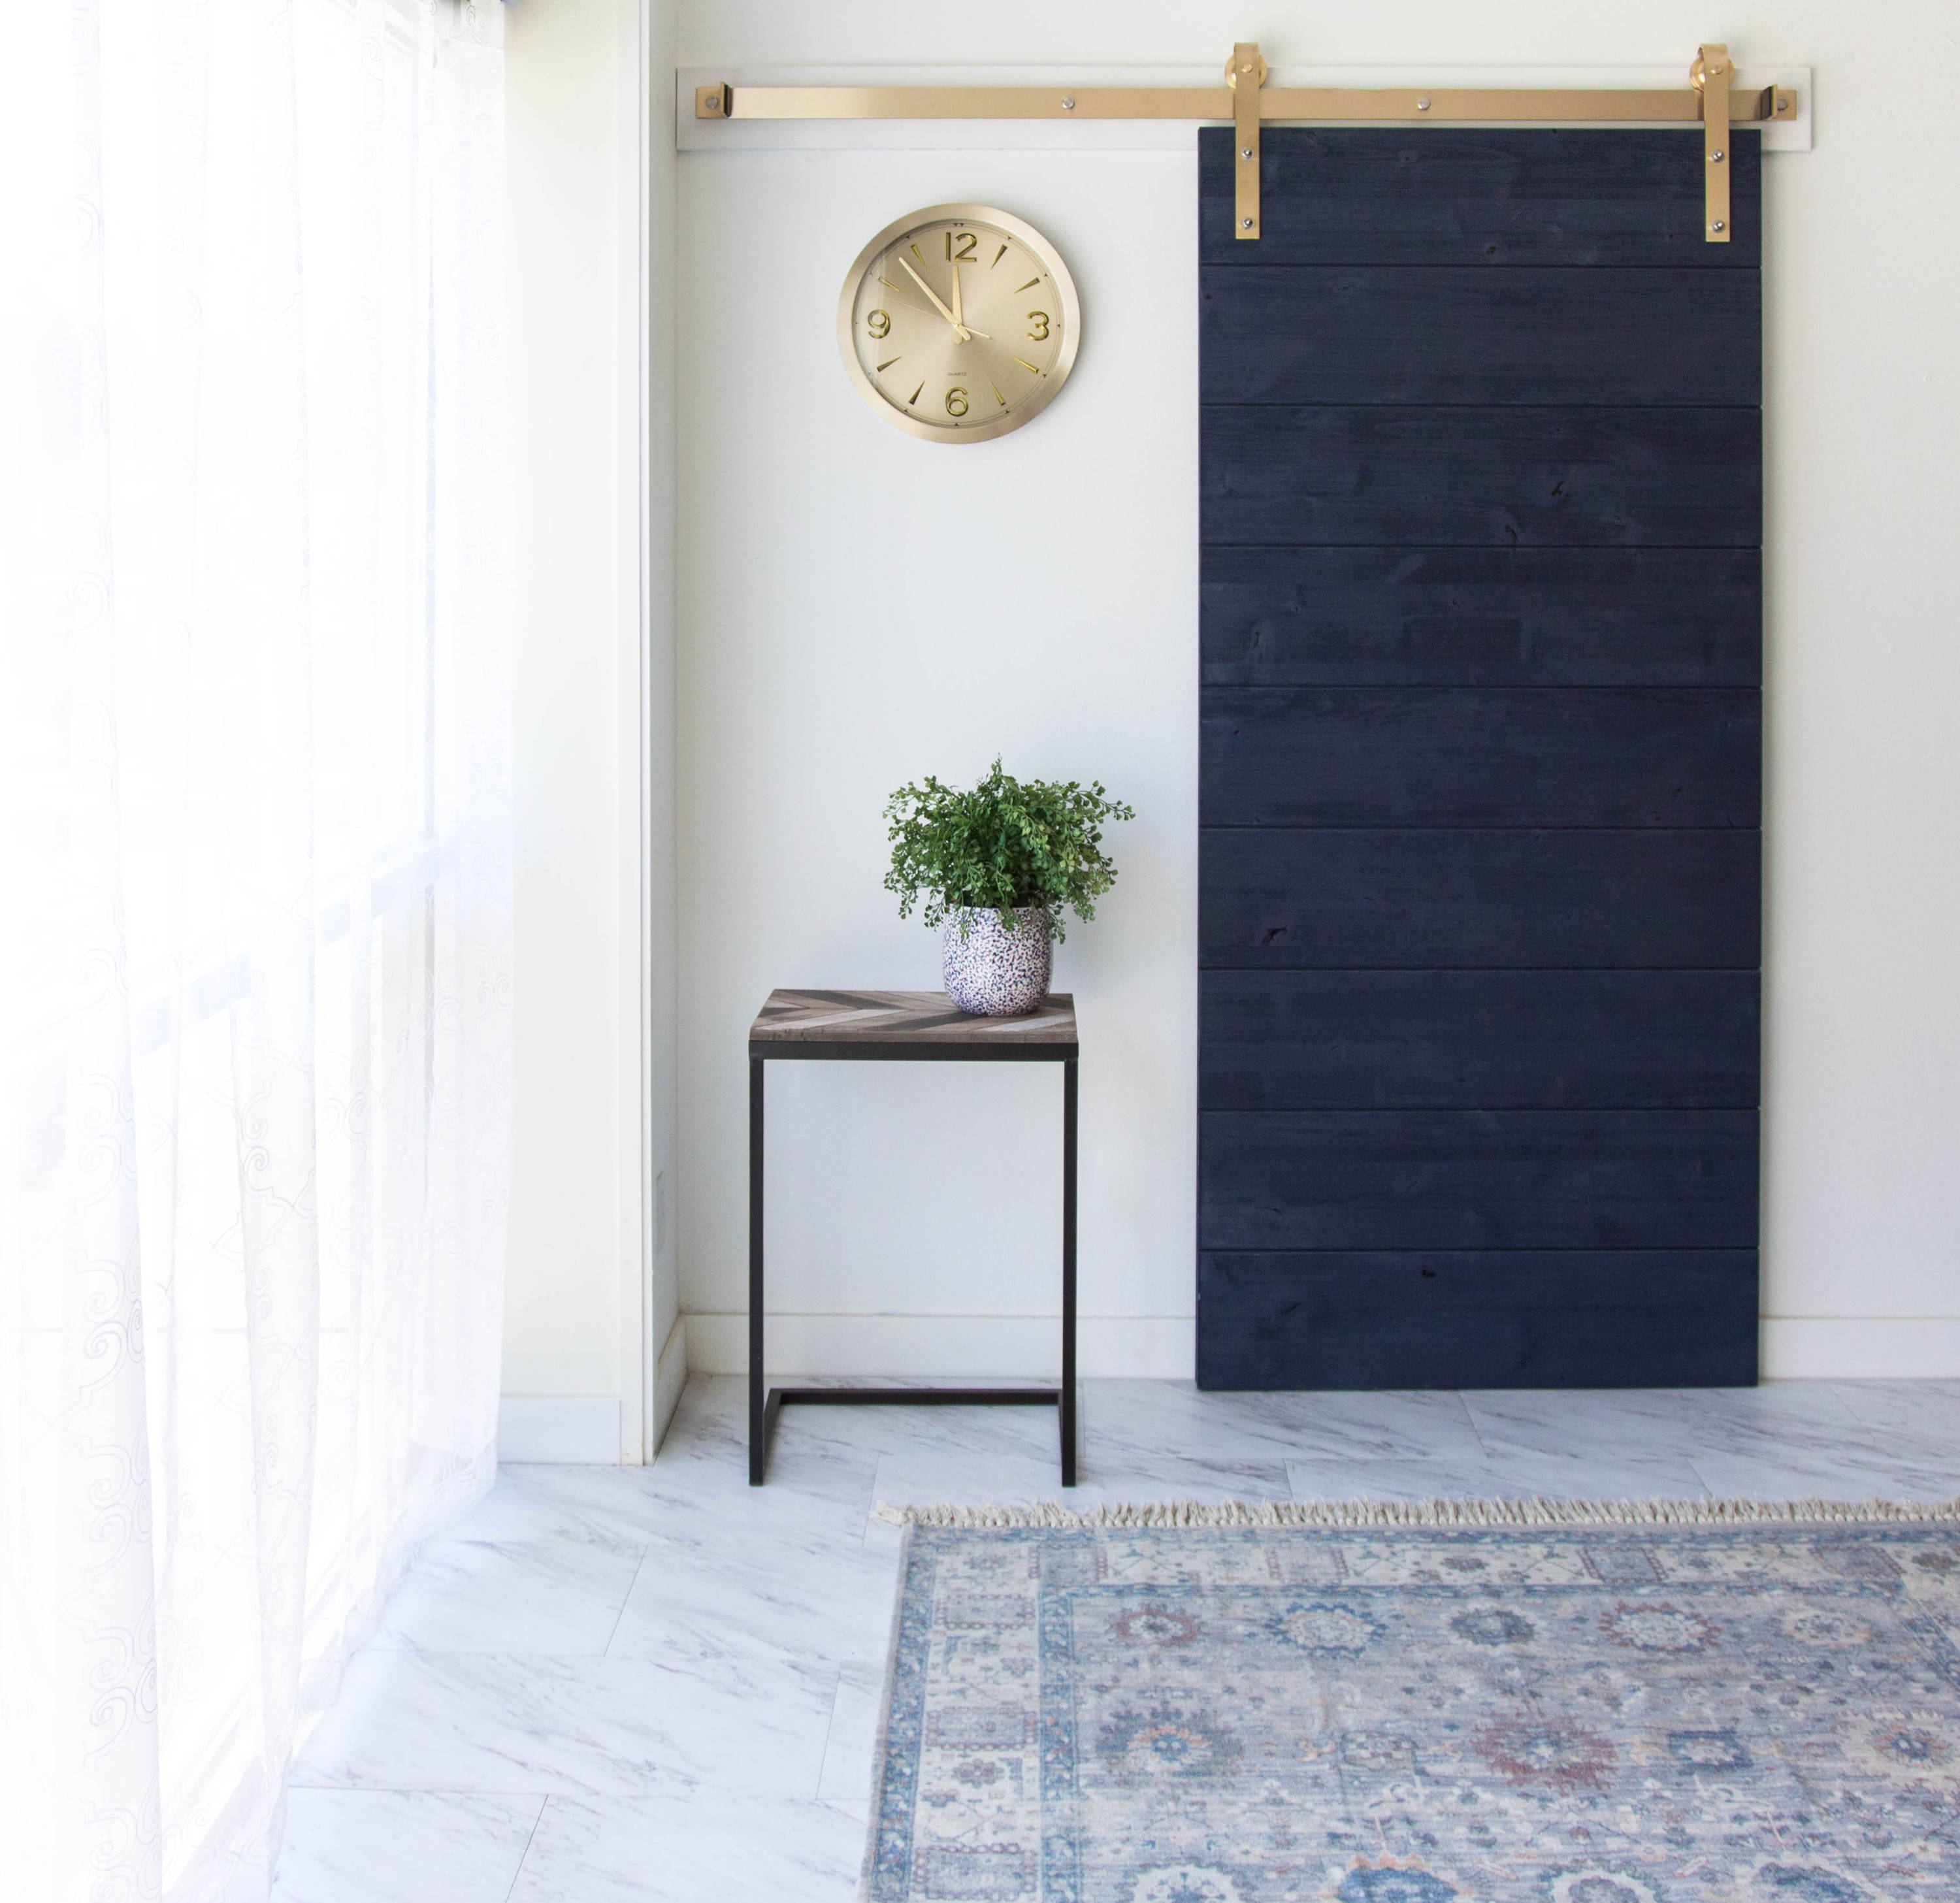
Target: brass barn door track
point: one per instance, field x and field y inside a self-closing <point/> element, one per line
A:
<point x="1710" y="100"/>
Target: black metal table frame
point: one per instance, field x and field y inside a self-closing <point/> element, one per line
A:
<point x="766" y="1403"/>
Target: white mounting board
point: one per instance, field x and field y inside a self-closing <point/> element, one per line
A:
<point x="692" y="135"/>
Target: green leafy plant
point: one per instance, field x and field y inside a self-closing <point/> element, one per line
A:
<point x="1007" y="843"/>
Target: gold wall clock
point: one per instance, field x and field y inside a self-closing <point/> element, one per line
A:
<point x="958" y="323"/>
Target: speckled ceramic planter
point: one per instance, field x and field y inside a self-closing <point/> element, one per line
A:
<point x="992" y="972"/>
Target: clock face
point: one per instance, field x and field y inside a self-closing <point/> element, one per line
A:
<point x="958" y="323"/>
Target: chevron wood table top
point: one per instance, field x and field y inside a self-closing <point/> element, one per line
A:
<point x="923" y="1018"/>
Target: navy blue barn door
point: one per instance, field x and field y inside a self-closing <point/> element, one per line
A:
<point x="1480" y="761"/>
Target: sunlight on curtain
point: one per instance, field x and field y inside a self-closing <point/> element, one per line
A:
<point x="255" y="930"/>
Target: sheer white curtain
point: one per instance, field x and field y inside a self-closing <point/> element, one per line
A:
<point x="255" y="934"/>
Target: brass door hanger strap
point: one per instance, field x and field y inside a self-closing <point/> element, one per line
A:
<point x="1711" y="100"/>
<point x="1245" y="74"/>
<point x="1712" y="73"/>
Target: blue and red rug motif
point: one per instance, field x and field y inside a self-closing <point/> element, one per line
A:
<point x="1724" y="1711"/>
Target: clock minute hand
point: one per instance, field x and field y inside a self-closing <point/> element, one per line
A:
<point x="964" y="332"/>
<point x="904" y="303"/>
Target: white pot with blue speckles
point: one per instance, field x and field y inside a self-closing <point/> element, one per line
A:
<point x="992" y="972"/>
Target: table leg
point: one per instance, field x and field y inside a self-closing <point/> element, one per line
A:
<point x="1067" y="1408"/>
<point x="759" y="1422"/>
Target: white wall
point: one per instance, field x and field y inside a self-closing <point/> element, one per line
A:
<point x="587" y="1311"/>
<point x="856" y="608"/>
<point x="861" y="609"/>
<point x="813" y="534"/>
<point x="666" y="1341"/>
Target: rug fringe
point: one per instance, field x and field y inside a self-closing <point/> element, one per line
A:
<point x="1533" y="1510"/>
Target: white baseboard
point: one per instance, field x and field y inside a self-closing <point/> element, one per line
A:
<point x="1840" y="1348"/>
<point x="978" y="1347"/>
<point x="1810" y="1348"/>
<point x="569" y="1429"/>
<point x="670" y="1377"/>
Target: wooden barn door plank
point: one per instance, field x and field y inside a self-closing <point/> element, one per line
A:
<point x="1480" y="769"/>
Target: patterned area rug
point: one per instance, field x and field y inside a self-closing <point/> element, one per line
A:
<point x="1519" y="1702"/>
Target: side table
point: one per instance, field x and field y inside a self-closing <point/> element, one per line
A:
<point x="855" y="1027"/>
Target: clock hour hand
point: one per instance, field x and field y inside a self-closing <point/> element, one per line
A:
<point x="965" y="334"/>
<point x="960" y="324"/>
<point x="965" y="328"/>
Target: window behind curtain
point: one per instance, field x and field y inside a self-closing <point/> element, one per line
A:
<point x="254" y="986"/>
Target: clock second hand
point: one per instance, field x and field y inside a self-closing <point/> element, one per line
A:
<point x="905" y="304"/>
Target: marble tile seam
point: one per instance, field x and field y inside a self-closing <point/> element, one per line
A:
<point x="618" y="1618"/>
<point x="582" y="1726"/>
<point x="377" y="1846"/>
<point x="1503" y="1476"/>
<point x="537" y="1822"/>
<point x="729" y="1849"/>
<point x="298" y="1781"/>
<point x="850" y="1742"/>
<point x="1469" y="1415"/>
<point x="556" y="1597"/>
<point x="1753" y="1477"/>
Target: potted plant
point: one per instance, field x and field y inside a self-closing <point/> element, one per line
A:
<point x="996" y="866"/>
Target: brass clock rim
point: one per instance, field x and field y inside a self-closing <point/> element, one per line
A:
<point x="1065" y="362"/>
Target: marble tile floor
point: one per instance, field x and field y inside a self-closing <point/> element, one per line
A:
<point x="619" y="1684"/>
